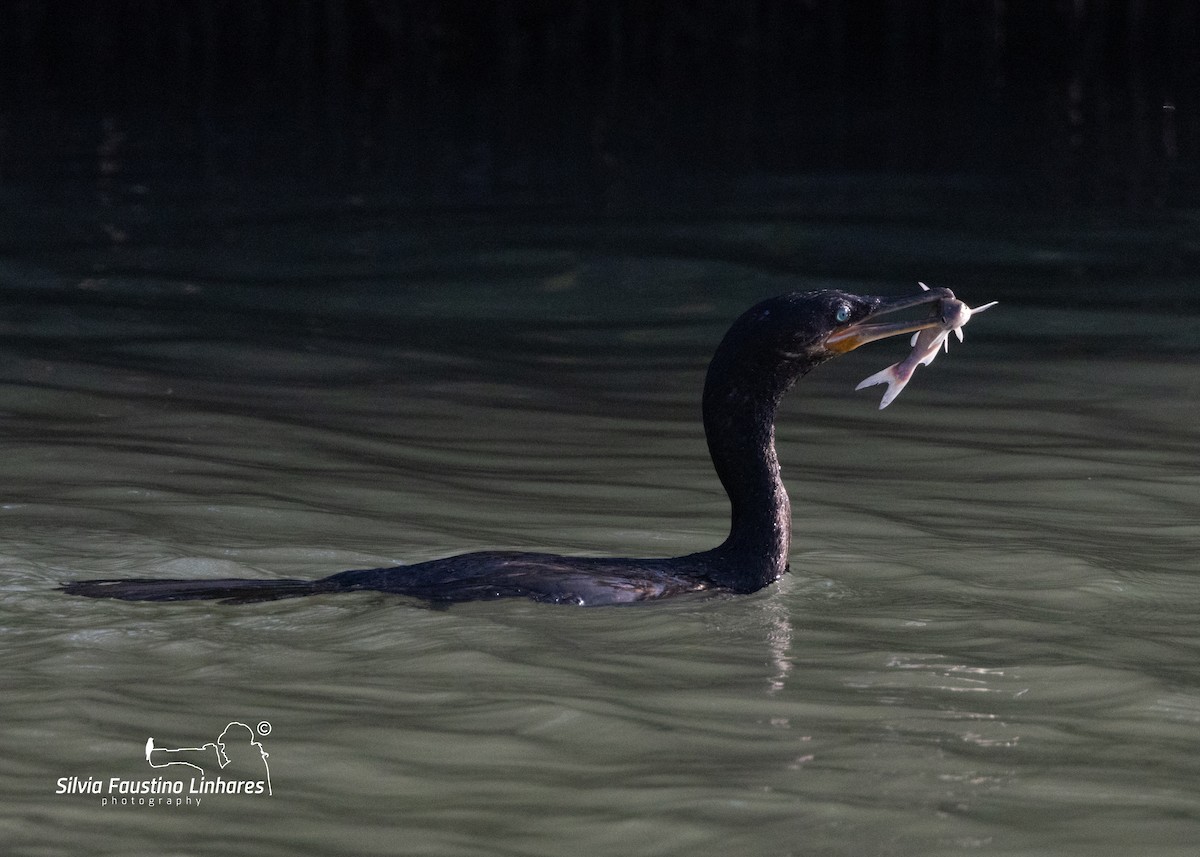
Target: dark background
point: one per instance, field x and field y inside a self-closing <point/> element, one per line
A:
<point x="609" y="106"/>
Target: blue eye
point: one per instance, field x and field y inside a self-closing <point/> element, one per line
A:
<point x="843" y="313"/>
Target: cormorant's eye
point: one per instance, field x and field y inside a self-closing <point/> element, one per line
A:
<point x="843" y="314"/>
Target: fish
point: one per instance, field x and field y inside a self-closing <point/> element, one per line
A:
<point x="925" y="346"/>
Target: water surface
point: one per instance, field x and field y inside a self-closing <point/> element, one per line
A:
<point x="987" y="642"/>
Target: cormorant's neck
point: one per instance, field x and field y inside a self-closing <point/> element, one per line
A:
<point x="739" y="423"/>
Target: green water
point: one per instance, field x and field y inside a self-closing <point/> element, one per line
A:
<point x="988" y="643"/>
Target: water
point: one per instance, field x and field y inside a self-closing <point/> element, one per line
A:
<point x="987" y="644"/>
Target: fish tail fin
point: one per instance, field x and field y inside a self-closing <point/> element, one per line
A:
<point x="890" y="376"/>
<point x="226" y="590"/>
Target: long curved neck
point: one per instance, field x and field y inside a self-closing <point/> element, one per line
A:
<point x="739" y="423"/>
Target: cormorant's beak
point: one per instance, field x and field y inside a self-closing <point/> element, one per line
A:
<point x="861" y="332"/>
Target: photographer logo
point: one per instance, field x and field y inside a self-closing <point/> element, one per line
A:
<point x="234" y="764"/>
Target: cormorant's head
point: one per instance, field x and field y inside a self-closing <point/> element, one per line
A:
<point x="854" y="320"/>
<point x="780" y="339"/>
<point x="816" y="326"/>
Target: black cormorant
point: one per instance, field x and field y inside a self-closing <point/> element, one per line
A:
<point x="762" y="355"/>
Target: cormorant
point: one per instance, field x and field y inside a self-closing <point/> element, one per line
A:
<point x="763" y="354"/>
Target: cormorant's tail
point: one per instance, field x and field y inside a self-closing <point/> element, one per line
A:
<point x="227" y="590"/>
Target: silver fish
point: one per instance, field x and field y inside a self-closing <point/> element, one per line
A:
<point x="926" y="345"/>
